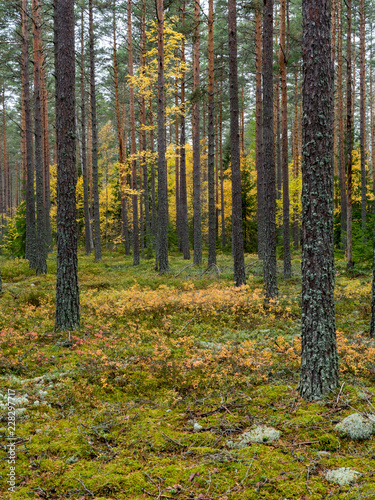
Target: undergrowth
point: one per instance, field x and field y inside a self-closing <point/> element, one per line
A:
<point x="165" y="371"/>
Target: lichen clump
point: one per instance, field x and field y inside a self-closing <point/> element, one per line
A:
<point x="342" y="476"/>
<point x="357" y="427"/>
<point x="260" y="434"/>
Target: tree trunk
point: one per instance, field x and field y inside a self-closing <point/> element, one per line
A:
<point x="196" y="141"/>
<point x="237" y="229"/>
<point x="67" y="293"/>
<point x="222" y="203"/>
<point x="31" y="249"/>
<point x="162" y="237"/>
<point x="259" y="127"/>
<point x="132" y="142"/>
<point x="183" y="194"/>
<point x="341" y="162"/>
<point x="362" y="119"/>
<point x="269" y="265"/>
<point x="89" y="246"/>
<point x="41" y="243"/>
<point x="284" y="154"/>
<point x="349" y="135"/>
<point x="95" y="175"/>
<point x="319" y="361"/>
<point x="46" y="161"/>
<point x="295" y="162"/>
<point x="211" y="140"/>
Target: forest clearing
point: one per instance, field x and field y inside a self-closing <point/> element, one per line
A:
<point x="149" y="398"/>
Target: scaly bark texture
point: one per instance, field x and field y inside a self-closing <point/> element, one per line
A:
<point x="237" y="229"/>
<point x="94" y="133"/>
<point x="197" y="222"/>
<point x="67" y="293"/>
<point x="259" y="125"/>
<point x="211" y="140"/>
<point x="162" y="237"/>
<point x="269" y="257"/>
<point x="349" y="135"/>
<point x="319" y="361"/>
<point x="31" y="249"/>
<point x="41" y="242"/>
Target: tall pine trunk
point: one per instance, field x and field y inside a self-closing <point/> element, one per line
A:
<point x="237" y="228"/>
<point x="319" y="360"/>
<point x="349" y="135"/>
<point x="269" y="261"/>
<point x="67" y="293"/>
<point x="41" y="243"/>
<point x="362" y="118"/>
<point x="31" y="248"/>
<point x="211" y="140"/>
<point x="162" y="236"/>
<point x="197" y="223"/>
<point x="94" y="133"/>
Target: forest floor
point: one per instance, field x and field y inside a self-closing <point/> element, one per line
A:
<point x="150" y="398"/>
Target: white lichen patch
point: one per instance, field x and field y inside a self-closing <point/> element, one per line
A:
<point x="260" y="434"/>
<point x="342" y="476"/>
<point x="357" y="426"/>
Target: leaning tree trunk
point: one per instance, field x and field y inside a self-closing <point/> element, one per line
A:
<point x="41" y="241"/>
<point x="67" y="293"/>
<point x="319" y="361"/>
<point x="269" y="200"/>
<point x="162" y="237"/>
<point x="237" y="228"/>
<point x="31" y="249"/>
<point x="95" y="175"/>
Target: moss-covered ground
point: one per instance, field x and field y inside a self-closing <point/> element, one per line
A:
<point x="111" y="408"/>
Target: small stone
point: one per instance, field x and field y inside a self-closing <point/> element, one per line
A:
<point x="260" y="434"/>
<point x="323" y="454"/>
<point x="342" y="476"/>
<point x="356" y="426"/>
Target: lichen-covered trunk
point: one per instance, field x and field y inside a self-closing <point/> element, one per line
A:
<point x="269" y="191"/>
<point x="211" y="141"/>
<point x="162" y="223"/>
<point x="319" y="361"/>
<point x="31" y="250"/>
<point x="67" y="293"/>
<point x="41" y="243"/>
<point x="237" y="229"/>
<point x="94" y="133"/>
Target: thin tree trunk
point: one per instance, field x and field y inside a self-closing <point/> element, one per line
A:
<point x="132" y="142"/>
<point x="196" y="141"/>
<point x="31" y="249"/>
<point x="162" y="237"/>
<point x="46" y="161"/>
<point x="5" y="157"/>
<point x="295" y="162"/>
<point x="222" y="202"/>
<point x="319" y="360"/>
<point x="237" y="229"/>
<point x="183" y="194"/>
<point x="41" y="243"/>
<point x="89" y="245"/>
<point x="211" y="140"/>
<point x="95" y="175"/>
<point x="362" y="119"/>
<point x="269" y="266"/>
<point x="284" y="155"/>
<point x="67" y="293"/>
<point x="349" y="135"/>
